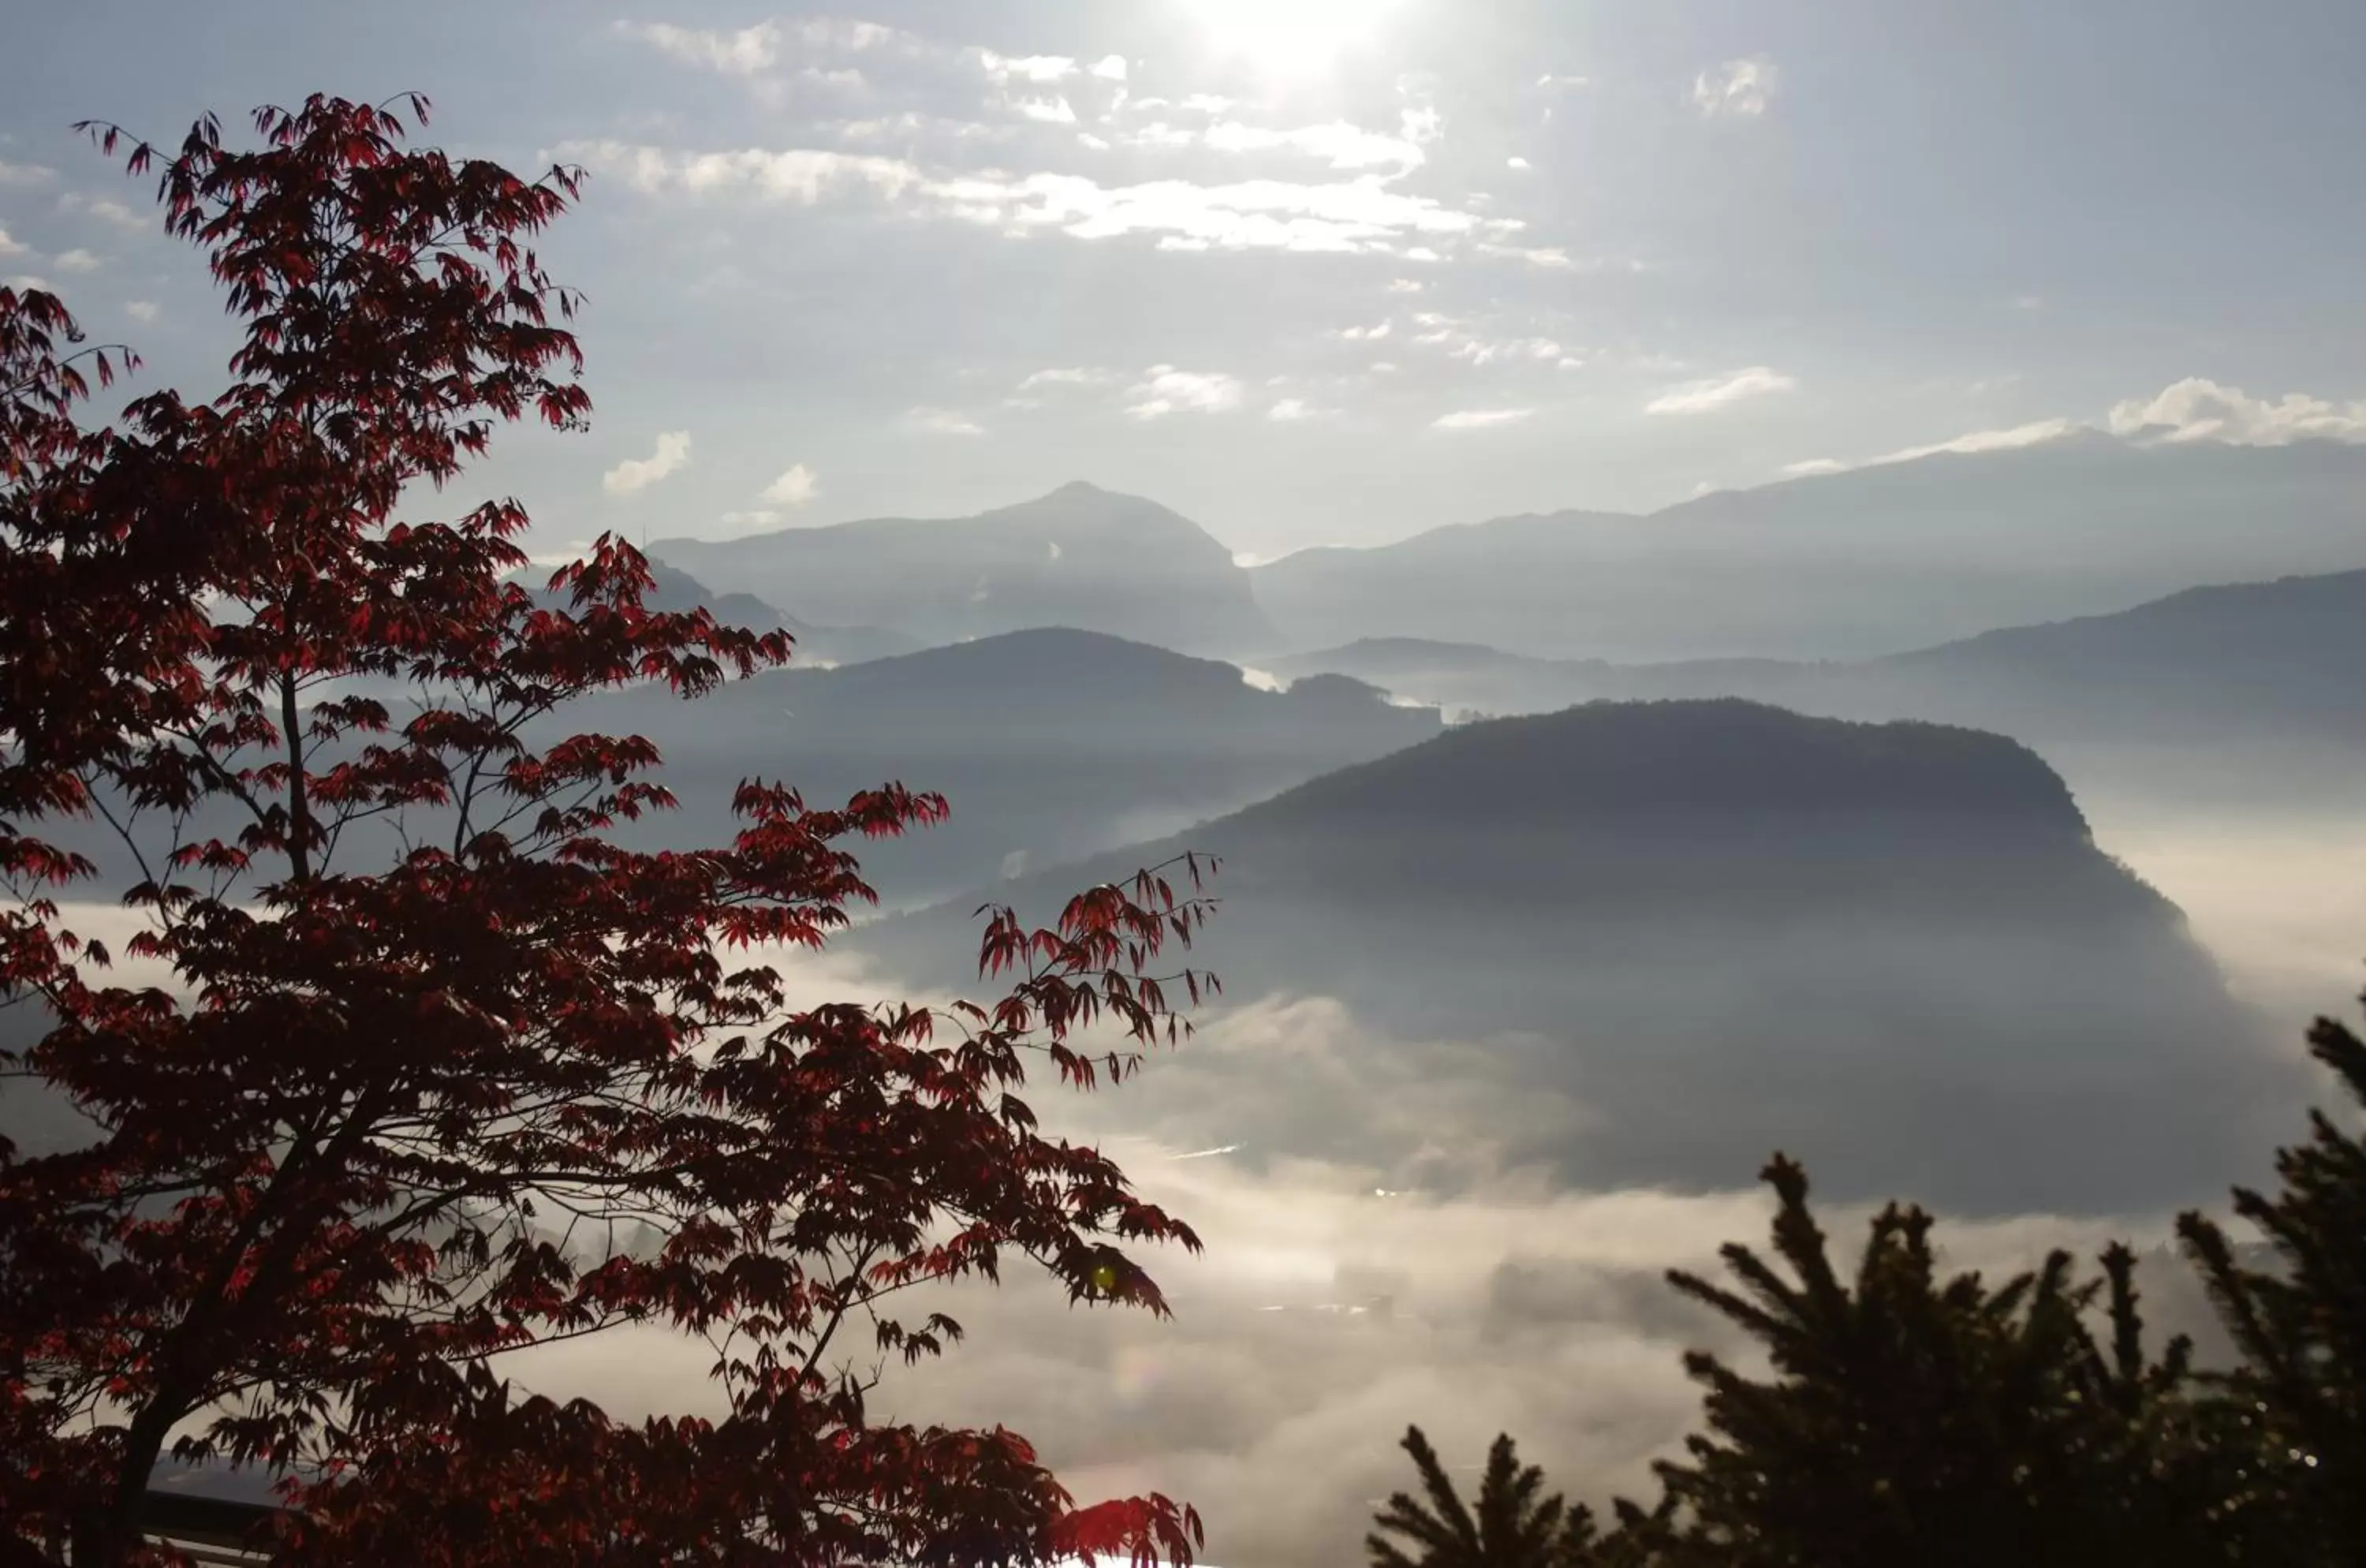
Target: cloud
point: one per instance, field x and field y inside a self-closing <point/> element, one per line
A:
<point x="1292" y="410"/>
<point x="638" y="473"/>
<point x="10" y="247"/>
<point x="1349" y="216"/>
<point x="1453" y="336"/>
<point x="1517" y="162"/>
<point x="1707" y="397"/>
<point x="1552" y="258"/>
<point x="1323" y="1315"/>
<point x="1358" y="216"/>
<point x="142" y="310"/>
<point x="945" y="421"/>
<point x="1110" y="68"/>
<point x="1338" y="144"/>
<point x="2034" y="434"/>
<point x="750" y="522"/>
<point x="1165" y="390"/>
<point x="1068" y="376"/>
<point x="912" y="123"/>
<point x="1372" y="333"/>
<point x="2193" y="409"/>
<point x="1737" y="87"/>
<point x="1479" y="419"/>
<point x="2198" y="408"/>
<point x="740" y="53"/>
<point x="573" y="551"/>
<point x="831" y="32"/>
<point x="1038" y="68"/>
<point x="1048" y="111"/>
<point x="796" y="487"/>
<point x="18" y="175"/>
<point x="23" y="281"/>
<point x="78" y="261"/>
<point x="1406" y="286"/>
<point x="800" y="175"/>
<point x="1436" y="328"/>
<point x="753" y="51"/>
<point x="104" y="209"/>
<point x="1477" y="351"/>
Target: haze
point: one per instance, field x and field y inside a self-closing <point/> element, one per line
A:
<point x="1721" y="576"/>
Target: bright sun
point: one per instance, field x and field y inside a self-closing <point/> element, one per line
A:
<point x="1289" y="38"/>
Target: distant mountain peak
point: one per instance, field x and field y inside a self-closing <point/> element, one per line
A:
<point x="1079" y="555"/>
<point x="1082" y="499"/>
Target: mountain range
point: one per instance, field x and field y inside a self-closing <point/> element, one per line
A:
<point x="2210" y="682"/>
<point x="1843" y="566"/>
<point x="1851" y="565"/>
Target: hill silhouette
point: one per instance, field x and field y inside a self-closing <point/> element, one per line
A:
<point x="1717" y="928"/>
<point x="1080" y="557"/>
<point x="1847" y="566"/>
<point x="1051" y="744"/>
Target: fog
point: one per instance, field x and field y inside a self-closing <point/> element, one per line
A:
<point x="1708" y="591"/>
<point x="1398" y="1178"/>
<point x="1333" y="1306"/>
<point x="2278" y="897"/>
<point x="1384" y="1243"/>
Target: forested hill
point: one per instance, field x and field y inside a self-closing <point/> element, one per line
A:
<point x="1729" y="928"/>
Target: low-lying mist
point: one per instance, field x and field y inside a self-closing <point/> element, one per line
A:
<point x="1408" y="1270"/>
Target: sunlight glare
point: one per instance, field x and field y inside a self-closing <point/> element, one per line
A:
<point x="1289" y="38"/>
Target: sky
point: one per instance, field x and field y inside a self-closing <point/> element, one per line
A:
<point x="1308" y="271"/>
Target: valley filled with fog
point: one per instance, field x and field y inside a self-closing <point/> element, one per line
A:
<point x="1531" y="957"/>
<point x="1533" y="953"/>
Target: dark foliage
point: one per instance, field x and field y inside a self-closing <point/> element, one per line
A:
<point x="1911" y="1416"/>
<point x="2299" y="1325"/>
<point x="370" y="1122"/>
<point x="1515" y="1525"/>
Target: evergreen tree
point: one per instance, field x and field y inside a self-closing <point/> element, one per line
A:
<point x="1913" y="1418"/>
<point x="1916" y="1420"/>
<point x="1515" y="1526"/>
<point x="2300" y="1327"/>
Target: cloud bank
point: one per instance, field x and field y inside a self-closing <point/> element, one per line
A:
<point x="1707" y="397"/>
<point x="638" y="473"/>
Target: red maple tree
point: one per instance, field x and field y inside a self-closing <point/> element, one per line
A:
<point x="368" y="1128"/>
